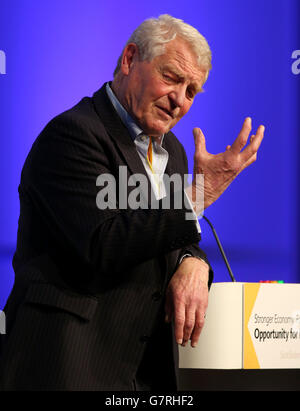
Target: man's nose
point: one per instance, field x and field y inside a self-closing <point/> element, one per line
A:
<point x="177" y="96"/>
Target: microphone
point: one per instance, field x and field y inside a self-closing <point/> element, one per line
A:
<point x="220" y="248"/>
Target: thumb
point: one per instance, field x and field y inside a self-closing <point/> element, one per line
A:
<point x="199" y="139"/>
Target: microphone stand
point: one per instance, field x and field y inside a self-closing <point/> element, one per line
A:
<point x="220" y="248"/>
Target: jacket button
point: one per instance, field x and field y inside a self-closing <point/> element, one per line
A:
<point x="144" y="338"/>
<point x="156" y="296"/>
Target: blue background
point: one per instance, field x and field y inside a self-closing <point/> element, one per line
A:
<point x="59" y="51"/>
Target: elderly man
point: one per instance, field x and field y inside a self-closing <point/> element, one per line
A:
<point x="103" y="295"/>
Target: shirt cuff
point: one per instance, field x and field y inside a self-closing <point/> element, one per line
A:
<point x="193" y="214"/>
<point x="190" y="255"/>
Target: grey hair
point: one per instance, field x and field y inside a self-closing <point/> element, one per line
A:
<point x="153" y="34"/>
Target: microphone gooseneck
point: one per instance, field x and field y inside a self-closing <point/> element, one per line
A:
<point x="220" y="248"/>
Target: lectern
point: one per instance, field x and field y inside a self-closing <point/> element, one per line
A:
<point x="250" y="341"/>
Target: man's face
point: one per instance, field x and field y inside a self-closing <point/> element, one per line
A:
<point x="159" y="93"/>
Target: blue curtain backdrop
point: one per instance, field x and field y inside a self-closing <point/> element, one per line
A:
<point x="61" y="50"/>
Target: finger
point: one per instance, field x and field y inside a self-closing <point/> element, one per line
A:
<point x="189" y="324"/>
<point x="251" y="160"/>
<point x="241" y="140"/>
<point x="254" y="145"/>
<point x="199" y="324"/>
<point x="199" y="139"/>
<point x="253" y="157"/>
<point x="228" y="147"/>
<point x="179" y="320"/>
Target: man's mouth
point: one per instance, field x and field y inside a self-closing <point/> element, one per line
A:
<point x="166" y="111"/>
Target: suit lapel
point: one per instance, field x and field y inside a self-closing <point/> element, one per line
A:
<point x="120" y="135"/>
<point x="117" y="130"/>
<point x="171" y="166"/>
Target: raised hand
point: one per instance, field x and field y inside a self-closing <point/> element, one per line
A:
<point x="221" y="169"/>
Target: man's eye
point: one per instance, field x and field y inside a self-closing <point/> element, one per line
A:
<point x="168" y="78"/>
<point x="190" y="93"/>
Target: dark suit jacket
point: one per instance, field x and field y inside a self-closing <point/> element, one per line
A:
<point x="86" y="310"/>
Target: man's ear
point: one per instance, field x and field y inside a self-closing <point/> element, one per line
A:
<point x="130" y="55"/>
